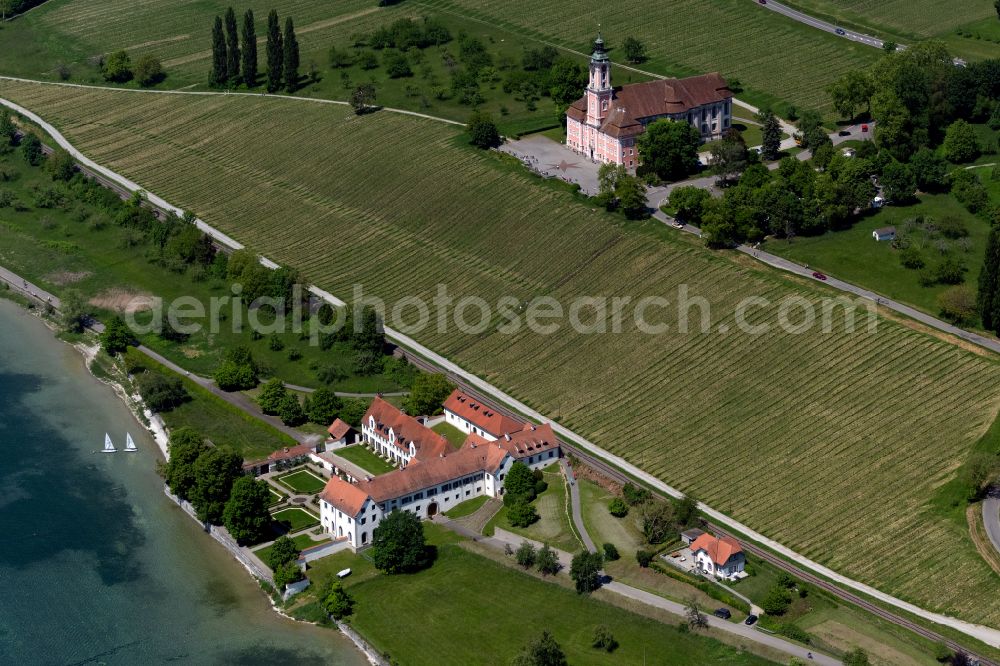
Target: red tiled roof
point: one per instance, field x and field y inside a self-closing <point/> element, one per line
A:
<point x="338" y="429"/>
<point x="344" y="496"/>
<point x="635" y="102"/>
<point x="480" y="415"/>
<point x="529" y="441"/>
<point x="720" y="550"/>
<point x="405" y="429"/>
<point x="288" y="453"/>
<point x="476" y="455"/>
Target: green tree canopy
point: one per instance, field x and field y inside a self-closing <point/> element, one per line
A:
<point x="398" y="544"/>
<point x="483" y="130"/>
<point x="526" y="555"/>
<point x="74" y="311"/>
<point x="543" y="651"/>
<point x="249" y="50"/>
<point x="960" y="143"/>
<point x="232" y="48"/>
<point x="246" y="515"/>
<point x="898" y="182"/>
<point x="988" y="296"/>
<point x="669" y="149"/>
<point x="519" y="482"/>
<point x="118" y="67"/>
<point x="219" y="74"/>
<point x="238" y="370"/>
<point x="270" y="396"/>
<point x="275" y="53"/>
<point x="635" y="50"/>
<point x="185" y="446"/>
<point x="547" y="561"/>
<point x="290" y="410"/>
<point x="116" y="337"/>
<point x="335" y="599"/>
<point x="428" y="394"/>
<point x="283" y="551"/>
<point x="520" y="513"/>
<point x="324" y="405"/>
<point x="31" y="149"/>
<point x="215" y="471"/>
<point x="161" y="393"/>
<point x="771" y="130"/>
<point x="585" y="571"/>
<point x="290" y="56"/>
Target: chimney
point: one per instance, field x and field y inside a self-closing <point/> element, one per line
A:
<point x="506" y="436"/>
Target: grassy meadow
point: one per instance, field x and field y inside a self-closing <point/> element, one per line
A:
<point x="832" y="443"/>
<point x="492" y="609"/>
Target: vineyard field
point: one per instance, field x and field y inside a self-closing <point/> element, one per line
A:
<point x="777" y="60"/>
<point x="832" y="443"/>
<point x="910" y="18"/>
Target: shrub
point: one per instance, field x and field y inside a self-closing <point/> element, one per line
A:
<point x="958" y="305"/>
<point x="634" y="495"/>
<point x="521" y="514"/>
<point x="618" y="508"/>
<point x="160" y="393"/>
<point x="795" y="632"/>
<point x="950" y="271"/>
<point x="910" y="257"/>
<point x="776" y="601"/>
<point x="148" y="70"/>
<point x="525" y="554"/>
<point x="604" y="639"/>
<point x="118" y="67"/>
<point x="610" y="552"/>
<point x="643" y="557"/>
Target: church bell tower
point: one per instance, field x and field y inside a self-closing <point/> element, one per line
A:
<point x="599" y="89"/>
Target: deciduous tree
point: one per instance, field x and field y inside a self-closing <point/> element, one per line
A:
<point x="74" y="311"/>
<point x="898" y="183"/>
<point x="116" y="336"/>
<point x="428" y="394"/>
<point x="693" y="616"/>
<point x="482" y="129"/>
<point x="669" y="149"/>
<point x="635" y="50"/>
<point x="283" y="551"/>
<point x="547" y="561"/>
<point x="118" y="67"/>
<point x="148" y="70"/>
<point x="525" y="555"/>
<point x="363" y="98"/>
<point x="398" y="544"/>
<point x="585" y="570"/>
<point x="336" y="600"/>
<point x="543" y="651"/>
<point x="215" y="471"/>
<point x="246" y="515"/>
<point x="520" y="513"/>
<point x="290" y="410"/>
<point x="324" y="405"/>
<point x="270" y="396"/>
<point x="960" y="143"/>
<point x="185" y="446"/>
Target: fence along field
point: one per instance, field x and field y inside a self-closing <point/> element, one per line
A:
<point x="832" y="444"/>
<point x="768" y="53"/>
<point x="919" y="18"/>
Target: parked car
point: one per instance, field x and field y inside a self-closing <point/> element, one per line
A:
<point x="840" y="31"/>
<point x="762" y="2"/>
<point x="844" y="132"/>
<point x="818" y="275"/>
<point x="864" y="128"/>
<point x="678" y="224"/>
<point x="723" y="613"/>
<point x="750" y="620"/>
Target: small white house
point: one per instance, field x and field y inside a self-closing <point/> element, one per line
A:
<point x="722" y="558"/>
<point x="884" y="233"/>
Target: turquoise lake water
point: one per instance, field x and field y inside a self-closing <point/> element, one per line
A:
<point x="97" y="566"/>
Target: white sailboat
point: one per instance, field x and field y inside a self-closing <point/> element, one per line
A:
<point x="108" y="446"/>
<point x="129" y="444"/>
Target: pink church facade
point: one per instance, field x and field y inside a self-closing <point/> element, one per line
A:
<point x="604" y="123"/>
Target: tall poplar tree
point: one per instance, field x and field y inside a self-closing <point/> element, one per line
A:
<point x="249" y="50"/>
<point x="291" y="56"/>
<point x="275" y="52"/>
<point x="988" y="300"/>
<point x="220" y="65"/>
<point x="232" y="48"/>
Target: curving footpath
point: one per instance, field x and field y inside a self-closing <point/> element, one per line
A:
<point x="983" y="633"/>
<point x="991" y="517"/>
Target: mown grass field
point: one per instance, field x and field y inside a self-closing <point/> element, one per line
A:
<point x="438" y="616"/>
<point x="832" y="443"/>
<point x="776" y="59"/>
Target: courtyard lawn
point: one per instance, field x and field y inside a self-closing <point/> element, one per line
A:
<point x="448" y="600"/>
<point x="294" y="519"/>
<point x="553" y="525"/>
<point x="451" y="433"/>
<point x="301" y="541"/>
<point x="853" y="255"/>
<point x="467" y="508"/>
<point x="276" y="497"/>
<point x="363" y="457"/>
<point x="303" y="481"/>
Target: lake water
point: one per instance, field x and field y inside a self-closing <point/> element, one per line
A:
<point x="97" y="566"/>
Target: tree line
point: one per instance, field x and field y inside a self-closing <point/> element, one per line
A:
<point x="234" y="53"/>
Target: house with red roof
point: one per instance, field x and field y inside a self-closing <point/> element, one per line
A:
<point x="397" y="436"/>
<point x="721" y="557"/>
<point x="603" y="124"/>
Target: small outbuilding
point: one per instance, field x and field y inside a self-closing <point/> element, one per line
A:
<point x="691" y="535"/>
<point x="884" y="234"/>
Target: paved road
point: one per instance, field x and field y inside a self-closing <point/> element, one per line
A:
<point x="574" y="502"/>
<point x="991" y="517"/>
<point x="986" y="634"/>
<point x="820" y="24"/>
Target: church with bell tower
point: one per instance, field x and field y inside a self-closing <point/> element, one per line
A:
<point x="604" y="123"/>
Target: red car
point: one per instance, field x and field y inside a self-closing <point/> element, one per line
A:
<point x="864" y="128"/>
<point x="818" y="275"/>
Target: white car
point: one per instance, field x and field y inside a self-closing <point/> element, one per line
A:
<point x="677" y="224"/>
